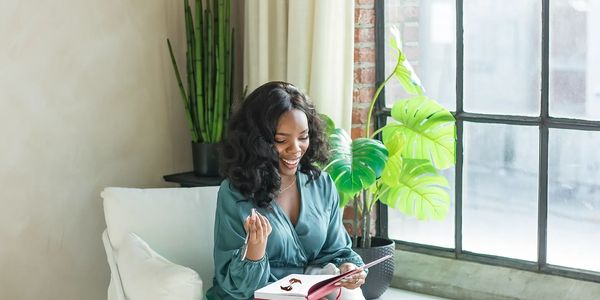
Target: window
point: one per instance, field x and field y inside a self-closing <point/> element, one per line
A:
<point x="521" y="77"/>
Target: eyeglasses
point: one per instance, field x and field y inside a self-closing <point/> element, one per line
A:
<point x="288" y="287"/>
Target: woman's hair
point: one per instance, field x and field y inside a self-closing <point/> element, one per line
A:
<point x="249" y="158"/>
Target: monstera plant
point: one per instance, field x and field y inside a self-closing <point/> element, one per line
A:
<point x="403" y="170"/>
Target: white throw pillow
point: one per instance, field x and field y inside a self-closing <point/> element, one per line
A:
<point x="146" y="275"/>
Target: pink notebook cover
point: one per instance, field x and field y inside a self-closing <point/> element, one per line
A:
<point x="325" y="287"/>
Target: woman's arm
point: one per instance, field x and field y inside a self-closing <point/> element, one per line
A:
<point x="236" y="276"/>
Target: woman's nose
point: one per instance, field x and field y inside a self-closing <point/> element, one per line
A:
<point x="294" y="147"/>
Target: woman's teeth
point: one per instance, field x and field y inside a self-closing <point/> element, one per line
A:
<point x="291" y="162"/>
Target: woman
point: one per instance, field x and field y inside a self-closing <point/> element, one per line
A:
<point x="277" y="213"/>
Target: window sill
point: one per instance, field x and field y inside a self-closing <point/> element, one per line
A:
<point x="456" y="279"/>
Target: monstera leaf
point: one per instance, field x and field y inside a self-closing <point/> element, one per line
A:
<point x="329" y="124"/>
<point x="354" y="165"/>
<point x="414" y="187"/>
<point x="403" y="70"/>
<point x="424" y="130"/>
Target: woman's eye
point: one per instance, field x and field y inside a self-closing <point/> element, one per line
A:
<point x="279" y="142"/>
<point x="304" y="138"/>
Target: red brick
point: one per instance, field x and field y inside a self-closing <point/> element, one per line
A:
<point x="364" y="55"/>
<point x="359" y="115"/>
<point x="364" y="75"/>
<point x="364" y="2"/>
<point x="364" y="16"/>
<point x="348" y="226"/>
<point x="348" y="213"/>
<point x="358" y="132"/>
<point x="363" y="95"/>
<point x="364" y="35"/>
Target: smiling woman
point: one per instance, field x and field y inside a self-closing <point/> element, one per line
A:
<point x="274" y="132"/>
<point x="277" y="213"/>
<point x="291" y="140"/>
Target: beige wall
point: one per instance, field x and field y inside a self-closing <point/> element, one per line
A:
<point x="87" y="100"/>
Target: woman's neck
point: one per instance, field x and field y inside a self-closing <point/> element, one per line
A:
<point x="286" y="182"/>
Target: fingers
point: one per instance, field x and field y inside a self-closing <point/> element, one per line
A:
<point x="353" y="281"/>
<point x="258" y="228"/>
<point x="247" y="224"/>
<point x="265" y="225"/>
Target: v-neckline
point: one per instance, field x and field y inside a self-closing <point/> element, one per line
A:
<point x="299" y="184"/>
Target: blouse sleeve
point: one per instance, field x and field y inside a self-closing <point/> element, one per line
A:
<point x="338" y="245"/>
<point x="238" y="278"/>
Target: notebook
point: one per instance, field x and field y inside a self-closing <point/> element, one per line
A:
<point x="302" y="286"/>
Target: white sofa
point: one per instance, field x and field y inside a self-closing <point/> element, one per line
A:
<point x="176" y="223"/>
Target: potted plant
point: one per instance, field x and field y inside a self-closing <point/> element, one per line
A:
<point x="207" y="99"/>
<point x="401" y="171"/>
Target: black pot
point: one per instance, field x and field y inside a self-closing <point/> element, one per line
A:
<point x="206" y="159"/>
<point x="380" y="275"/>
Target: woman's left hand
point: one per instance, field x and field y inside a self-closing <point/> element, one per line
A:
<point x="355" y="280"/>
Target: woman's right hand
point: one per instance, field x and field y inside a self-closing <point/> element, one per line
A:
<point x="257" y="229"/>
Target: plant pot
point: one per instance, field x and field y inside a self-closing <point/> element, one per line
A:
<point x="380" y="276"/>
<point x="206" y="159"/>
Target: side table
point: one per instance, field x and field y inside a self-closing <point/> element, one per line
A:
<point x="189" y="179"/>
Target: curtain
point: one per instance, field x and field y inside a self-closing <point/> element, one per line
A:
<point x="308" y="43"/>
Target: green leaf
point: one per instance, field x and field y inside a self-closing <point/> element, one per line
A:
<point x="414" y="187"/>
<point x="209" y="68"/>
<point x="354" y="165"/>
<point x="393" y="137"/>
<point x="427" y="129"/>
<point x="330" y="125"/>
<point x="345" y="198"/>
<point x="404" y="71"/>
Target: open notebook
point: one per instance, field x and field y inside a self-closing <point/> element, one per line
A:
<point x="302" y="286"/>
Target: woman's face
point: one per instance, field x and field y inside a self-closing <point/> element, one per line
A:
<point x="291" y="140"/>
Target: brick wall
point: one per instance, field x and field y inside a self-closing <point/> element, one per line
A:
<point x="364" y="79"/>
<point x="405" y="16"/>
<point x="364" y="64"/>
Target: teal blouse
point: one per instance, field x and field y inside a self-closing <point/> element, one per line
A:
<point x="318" y="238"/>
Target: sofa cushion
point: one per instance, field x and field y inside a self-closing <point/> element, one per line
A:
<point x="146" y="275"/>
<point x="177" y="222"/>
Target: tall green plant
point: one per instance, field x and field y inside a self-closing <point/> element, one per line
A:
<point x="402" y="171"/>
<point x="209" y="63"/>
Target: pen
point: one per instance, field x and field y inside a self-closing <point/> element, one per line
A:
<point x="247" y="235"/>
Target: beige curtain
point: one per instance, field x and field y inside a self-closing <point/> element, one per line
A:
<point x="308" y="43"/>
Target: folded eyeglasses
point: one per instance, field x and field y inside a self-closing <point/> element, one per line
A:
<point x="288" y="287"/>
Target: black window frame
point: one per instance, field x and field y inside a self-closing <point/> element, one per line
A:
<point x="544" y="122"/>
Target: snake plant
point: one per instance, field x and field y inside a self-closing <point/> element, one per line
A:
<point x="402" y="170"/>
<point x="209" y="56"/>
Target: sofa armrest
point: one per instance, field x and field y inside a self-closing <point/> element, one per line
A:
<point x="115" y="287"/>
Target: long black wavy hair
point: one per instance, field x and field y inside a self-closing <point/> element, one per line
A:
<point x="249" y="158"/>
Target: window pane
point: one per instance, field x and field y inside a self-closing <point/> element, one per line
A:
<point x="574" y="199"/>
<point x="427" y="30"/>
<point x="574" y="59"/>
<point x="500" y="190"/>
<point x="502" y="56"/>
<point x="437" y="233"/>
